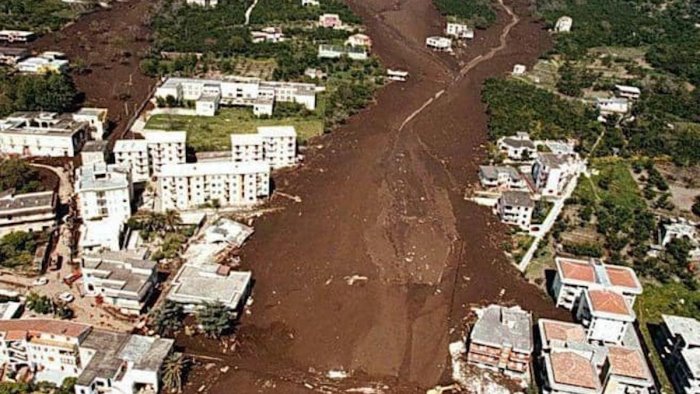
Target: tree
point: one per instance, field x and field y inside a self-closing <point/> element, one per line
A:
<point x="214" y="318"/>
<point x="173" y="369"/>
<point x="49" y="92"/>
<point x="18" y="175"/>
<point x="39" y="304"/>
<point x="696" y="206"/>
<point x="167" y="319"/>
<point x="17" y="249"/>
<point x="172" y="220"/>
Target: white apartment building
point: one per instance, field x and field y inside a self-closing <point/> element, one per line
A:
<point x="439" y="43"/>
<point x="518" y="146"/>
<point x="239" y="91"/>
<point x="102" y="361"/>
<point x="41" y="134"/>
<point x="552" y="173"/>
<point x="47" y="62"/>
<point x="606" y="314"/>
<point x="165" y="147"/>
<point x="516" y="208"/>
<point x="93" y="152"/>
<point x="575" y="277"/>
<point x="247" y="148"/>
<point x="190" y="185"/>
<point x="133" y="154"/>
<point x="96" y="118"/>
<point x="104" y="200"/>
<point x="32" y="212"/>
<point x="125" y="280"/>
<point x="507" y="178"/>
<point x="680" y="352"/>
<point x="275" y="145"/>
<point x="459" y="30"/>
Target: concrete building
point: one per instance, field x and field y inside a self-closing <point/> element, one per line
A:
<point x="628" y="92"/>
<point x="503" y="177"/>
<point x="195" y="285"/>
<point x="94" y="152"/>
<point x="518" y="147"/>
<point x="359" y="40"/>
<point x="225" y="183"/>
<point x="104" y="195"/>
<point x="310" y="3"/>
<point x="165" y="147"/>
<point x="326" y="51"/>
<point x="459" y="31"/>
<point x="269" y="34"/>
<point x="32" y="212"/>
<point x="247" y="148"/>
<point x="47" y="62"/>
<point x="613" y="106"/>
<point x="16" y="35"/>
<point x="516" y="208"/>
<point x="575" y="277"/>
<point x="203" y="3"/>
<point x="552" y="173"/>
<point x="501" y="339"/>
<point x="279" y="145"/>
<point x="96" y="118"/>
<point x="102" y="361"/>
<point x="133" y="154"/>
<point x="679" y="348"/>
<point x="680" y="229"/>
<point x="606" y="314"/>
<point x="332" y="21"/>
<point x="9" y="56"/>
<point x="42" y="134"/>
<point x="124" y="280"/>
<point x="438" y="43"/>
<point x="238" y="91"/>
<point x="563" y="24"/>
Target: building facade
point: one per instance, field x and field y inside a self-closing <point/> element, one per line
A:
<point x="31" y="212"/>
<point x="516" y="208"/>
<point x="133" y="154"/>
<point x="165" y="147"/>
<point x="518" y="147"/>
<point x="42" y="134"/>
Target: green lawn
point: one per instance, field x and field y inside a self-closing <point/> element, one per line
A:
<point x="671" y="298"/>
<point x="212" y="133"/>
<point x="622" y="189"/>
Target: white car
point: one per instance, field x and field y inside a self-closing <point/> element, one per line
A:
<point x="40" y="281"/>
<point x="66" y="297"/>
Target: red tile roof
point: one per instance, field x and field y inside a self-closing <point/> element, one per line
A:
<point x="577" y="270"/>
<point x="608" y="302"/>
<point x="554" y="330"/>
<point x="628" y="362"/>
<point x="621" y="276"/>
<point x="19" y="329"/>
<point x="572" y="369"/>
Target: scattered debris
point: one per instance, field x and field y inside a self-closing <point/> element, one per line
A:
<point x="337" y="374"/>
<point x="355" y="278"/>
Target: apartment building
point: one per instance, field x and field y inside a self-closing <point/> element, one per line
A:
<point x="459" y="31"/>
<point x="239" y="91"/>
<point x="275" y="145"/>
<point x="552" y="173"/>
<point x="679" y="348"/>
<point x="94" y="152"/>
<point x="124" y="280"/>
<point x="46" y="62"/>
<point x="102" y="361"/>
<point x="225" y="183"/>
<point x="32" y="212"/>
<point x="516" y="208"/>
<point x="570" y="364"/>
<point x="438" y="43"/>
<point x="42" y="134"/>
<point x="501" y="339"/>
<point x="96" y="118"/>
<point x="575" y="277"/>
<point x="133" y="154"/>
<point x="165" y="147"/>
<point x="247" y="148"/>
<point x="606" y="314"/>
<point x="518" y="146"/>
<point x="503" y="177"/>
<point x="104" y="201"/>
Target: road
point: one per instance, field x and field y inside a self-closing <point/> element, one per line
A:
<point x="382" y="199"/>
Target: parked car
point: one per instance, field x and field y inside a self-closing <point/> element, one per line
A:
<point x="66" y="297"/>
<point x="40" y="281"/>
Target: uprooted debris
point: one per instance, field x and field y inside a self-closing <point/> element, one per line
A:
<point x="351" y="280"/>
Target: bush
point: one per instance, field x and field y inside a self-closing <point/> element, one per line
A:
<point x="583" y="249"/>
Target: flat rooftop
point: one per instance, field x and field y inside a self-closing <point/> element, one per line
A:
<point x="500" y="326"/>
<point x="130" y="146"/>
<point x="277" y="131"/>
<point x="100" y="176"/>
<point x="199" y="284"/>
<point x="10" y="202"/>
<point x="224" y="167"/>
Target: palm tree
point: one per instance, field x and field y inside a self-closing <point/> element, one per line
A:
<point x="154" y="222"/>
<point x="173" y="369"/>
<point x="167" y="318"/>
<point x="214" y="318"/>
<point x="172" y="219"/>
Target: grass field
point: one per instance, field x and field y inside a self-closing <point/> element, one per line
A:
<point x="673" y="299"/>
<point x="212" y="134"/>
<point x="622" y="188"/>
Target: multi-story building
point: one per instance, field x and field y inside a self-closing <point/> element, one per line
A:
<point x="93" y="152"/>
<point x="501" y="339"/>
<point x="124" y="280"/>
<point x="575" y="277"/>
<point x="165" y="147"/>
<point x="225" y="183"/>
<point x="239" y="91"/>
<point x="606" y="314"/>
<point x="104" y="200"/>
<point x="459" y="30"/>
<point x="42" y="134"/>
<point x="279" y="145"/>
<point x="572" y="365"/>
<point x="438" y="43"/>
<point x="32" y="212"/>
<point x="505" y="177"/>
<point x="679" y="347"/>
<point x="195" y="285"/>
<point x="518" y="146"/>
<point x="552" y="173"/>
<point x="516" y="208"/>
<point x="103" y="362"/>
<point x="133" y="154"/>
<point x="247" y="148"/>
<point x="96" y="119"/>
